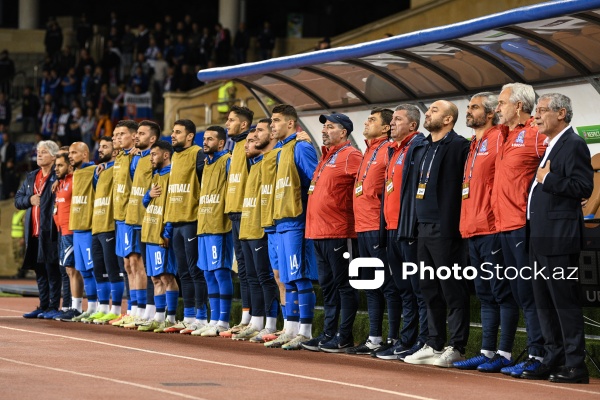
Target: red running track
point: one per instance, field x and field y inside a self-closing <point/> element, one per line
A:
<point x="58" y="360"/>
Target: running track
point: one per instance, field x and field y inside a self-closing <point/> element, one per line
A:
<point x="59" y="360"/>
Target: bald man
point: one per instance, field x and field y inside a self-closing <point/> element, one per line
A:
<point x="439" y="194"/>
<point x="80" y="223"/>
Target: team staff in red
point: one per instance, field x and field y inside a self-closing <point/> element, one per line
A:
<point x="368" y="191"/>
<point x="400" y="223"/>
<point x="478" y="225"/>
<point x="516" y="164"/>
<point x="62" y="210"/>
<point x="330" y="223"/>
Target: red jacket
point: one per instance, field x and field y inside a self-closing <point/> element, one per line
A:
<point x="62" y="207"/>
<point x="329" y="213"/>
<point x="516" y="163"/>
<point x="476" y="213"/>
<point x="371" y="178"/>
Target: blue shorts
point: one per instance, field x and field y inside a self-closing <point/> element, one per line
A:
<point x="273" y="244"/>
<point x="124" y="239"/>
<point x="82" y="245"/>
<point x="160" y="260"/>
<point x="65" y="251"/>
<point x="215" y="251"/>
<point x="296" y="256"/>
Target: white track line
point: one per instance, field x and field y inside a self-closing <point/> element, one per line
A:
<point x="137" y="385"/>
<point x="295" y="376"/>
<point x="15" y="311"/>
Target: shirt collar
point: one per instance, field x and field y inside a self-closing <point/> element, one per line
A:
<point x="554" y="140"/>
<point x="216" y="156"/>
<point x="256" y="159"/>
<point x="288" y="139"/>
<point x="330" y="150"/>
<point x="163" y="170"/>
<point x="375" y="142"/>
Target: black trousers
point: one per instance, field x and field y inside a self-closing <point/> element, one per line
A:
<point x="443" y="295"/>
<point x="559" y="309"/>
<point x="339" y="298"/>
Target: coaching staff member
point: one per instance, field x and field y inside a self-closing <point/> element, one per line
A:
<point x="564" y="177"/>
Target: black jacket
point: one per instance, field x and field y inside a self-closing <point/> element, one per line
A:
<point x="47" y="249"/>
<point x="556" y="219"/>
<point x="452" y="153"/>
<point x="407" y="224"/>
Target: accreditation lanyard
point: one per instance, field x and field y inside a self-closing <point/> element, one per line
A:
<point x="389" y="184"/>
<point x="465" y="185"/>
<point x="313" y="183"/>
<point x="358" y="187"/>
<point x="423" y="184"/>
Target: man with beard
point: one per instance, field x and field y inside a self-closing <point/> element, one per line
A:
<point x="330" y="224"/>
<point x="477" y="224"/>
<point x="147" y="134"/>
<point x="439" y="242"/>
<point x="516" y="163"/>
<point x="215" y="244"/>
<point x="80" y="222"/>
<point x="161" y="264"/>
<point x="62" y="209"/>
<point x="183" y="195"/>
<point x="238" y="125"/>
<point x="122" y="177"/>
<point x="109" y="278"/>
<point x="263" y="288"/>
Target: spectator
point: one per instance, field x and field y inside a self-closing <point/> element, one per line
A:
<point x="118" y="107"/>
<point x="113" y="36"/>
<point x="127" y="49"/>
<point x="141" y="63"/>
<point x="84" y="60"/>
<point x="10" y="180"/>
<point x="179" y="29"/>
<point x="222" y="45"/>
<point x="266" y="42"/>
<point x="30" y="110"/>
<point x="111" y="63"/>
<point x="151" y="51"/>
<point x="142" y="40"/>
<point x="192" y="55"/>
<point x="97" y="82"/>
<point x="48" y="122"/>
<point x="5" y="110"/>
<point x="75" y="121"/>
<point x="205" y="47"/>
<point x="140" y="79"/>
<point x="241" y="43"/>
<point x="187" y="80"/>
<point x="323" y="44"/>
<point x="62" y="125"/>
<point x="88" y="127"/>
<point x="86" y="84"/>
<point x="84" y="32"/>
<point x="168" y="26"/>
<point x="54" y="85"/>
<point x="180" y="50"/>
<point x="158" y="34"/>
<point x="170" y="81"/>
<point x="115" y="23"/>
<point x="195" y="35"/>
<point x="160" y="73"/>
<point x="168" y="51"/>
<point x="69" y="87"/>
<point x="53" y="39"/>
<point x="64" y="60"/>
<point x="187" y="25"/>
<point x="7" y="71"/>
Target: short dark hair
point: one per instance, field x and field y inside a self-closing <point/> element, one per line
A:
<point x="154" y="128"/>
<point x="243" y="112"/>
<point x="163" y="145"/>
<point x="385" y="114"/>
<point x="64" y="148"/>
<point x="106" y="139"/>
<point x="64" y="155"/>
<point x="286" y="110"/>
<point x="129" y="124"/>
<point x="265" y="121"/>
<point x="188" y="124"/>
<point x="221" y="134"/>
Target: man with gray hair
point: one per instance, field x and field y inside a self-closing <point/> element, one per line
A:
<point x="477" y="225"/>
<point x="400" y="221"/>
<point x="563" y="178"/>
<point x="35" y="196"/>
<point x="517" y="160"/>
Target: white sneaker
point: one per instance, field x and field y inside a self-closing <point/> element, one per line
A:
<point x="449" y="357"/>
<point x="200" y="328"/>
<point x="426" y="356"/>
<point x="212" y="331"/>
